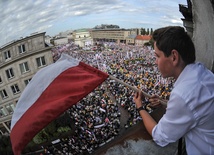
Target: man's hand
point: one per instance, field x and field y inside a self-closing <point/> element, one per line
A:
<point x="138" y="97"/>
<point x="154" y="101"/>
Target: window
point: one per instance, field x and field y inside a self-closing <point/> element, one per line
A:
<point x="3" y="112"/>
<point x="0" y="80"/>
<point x="24" y="67"/>
<point x="27" y="81"/>
<point x="9" y="73"/>
<point x="40" y="61"/>
<point x="10" y="108"/>
<point x="7" y="55"/>
<point x="3" y="94"/>
<point x="15" y="89"/>
<point x="21" y="49"/>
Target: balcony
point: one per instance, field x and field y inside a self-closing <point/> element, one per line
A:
<point x="6" y="118"/>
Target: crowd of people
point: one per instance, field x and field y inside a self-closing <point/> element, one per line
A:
<point x="97" y="116"/>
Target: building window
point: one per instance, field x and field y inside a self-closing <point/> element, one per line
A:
<point x="3" y="112"/>
<point x="7" y="55"/>
<point x="24" y="67"/>
<point x="21" y="49"/>
<point x="10" y="108"/>
<point x="3" y="94"/>
<point x="0" y="80"/>
<point x="15" y="89"/>
<point x="40" y="61"/>
<point x="27" y="81"/>
<point x="9" y="73"/>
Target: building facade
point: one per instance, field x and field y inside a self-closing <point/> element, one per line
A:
<point x="140" y="40"/>
<point x="60" y="41"/>
<point x="82" y="37"/>
<point x="130" y="40"/>
<point x="19" y="61"/>
<point x="111" y="35"/>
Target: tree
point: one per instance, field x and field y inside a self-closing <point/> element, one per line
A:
<point x="63" y="120"/>
<point x="151" y="31"/>
<point x="41" y="137"/>
<point x="51" y="129"/>
<point x="147" y="31"/>
<point x="143" y="31"/>
<point x="5" y="145"/>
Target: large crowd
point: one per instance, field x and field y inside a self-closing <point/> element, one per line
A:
<point x="97" y="117"/>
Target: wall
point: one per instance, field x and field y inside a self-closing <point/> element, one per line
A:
<point x="203" y="34"/>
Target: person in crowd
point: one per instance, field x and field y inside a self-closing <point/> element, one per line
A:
<point x="189" y="111"/>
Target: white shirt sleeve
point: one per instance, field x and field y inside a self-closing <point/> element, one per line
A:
<point x="177" y="121"/>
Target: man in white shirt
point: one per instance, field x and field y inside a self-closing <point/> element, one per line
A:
<point x="190" y="108"/>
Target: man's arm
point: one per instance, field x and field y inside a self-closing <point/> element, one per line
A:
<point x="148" y="121"/>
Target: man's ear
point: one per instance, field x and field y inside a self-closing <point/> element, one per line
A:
<point x="175" y="56"/>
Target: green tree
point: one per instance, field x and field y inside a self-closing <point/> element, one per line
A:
<point x="147" y="44"/>
<point x="41" y="137"/>
<point x="63" y="129"/>
<point x="63" y="120"/>
<point x="143" y="31"/>
<point x="51" y="129"/>
<point x="147" y="31"/>
<point x="151" y="31"/>
<point x="5" y="145"/>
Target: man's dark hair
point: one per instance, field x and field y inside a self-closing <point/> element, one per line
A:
<point x="175" y="37"/>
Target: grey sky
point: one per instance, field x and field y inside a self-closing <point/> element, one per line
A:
<point x="20" y="18"/>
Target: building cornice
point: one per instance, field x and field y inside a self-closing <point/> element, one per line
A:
<point x="14" y="42"/>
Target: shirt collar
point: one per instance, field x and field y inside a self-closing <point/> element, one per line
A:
<point x="184" y="74"/>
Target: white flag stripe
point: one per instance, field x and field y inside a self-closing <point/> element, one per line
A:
<point x="29" y="95"/>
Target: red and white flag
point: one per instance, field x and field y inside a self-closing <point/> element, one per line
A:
<point x="51" y="91"/>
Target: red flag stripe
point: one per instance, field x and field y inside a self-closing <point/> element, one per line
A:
<point x="67" y="89"/>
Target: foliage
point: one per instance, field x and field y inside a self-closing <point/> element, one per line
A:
<point x="147" y="44"/>
<point x="146" y="31"/>
<point x="5" y="145"/>
<point x="151" y="31"/>
<point x="63" y="120"/>
<point x="41" y="137"/>
<point x="151" y="42"/>
<point x="54" y="129"/>
<point x="63" y="129"/>
<point x="51" y="129"/>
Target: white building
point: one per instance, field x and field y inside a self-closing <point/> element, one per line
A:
<point x="19" y="61"/>
<point x="61" y="41"/>
<point x="82" y="37"/>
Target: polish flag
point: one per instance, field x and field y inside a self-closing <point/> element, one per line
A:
<point x="51" y="91"/>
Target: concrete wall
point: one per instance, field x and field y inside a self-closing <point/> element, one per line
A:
<point x="203" y="34"/>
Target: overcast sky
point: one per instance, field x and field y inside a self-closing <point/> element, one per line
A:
<point x="20" y="18"/>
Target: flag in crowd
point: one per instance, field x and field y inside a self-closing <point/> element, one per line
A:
<point x="51" y="91"/>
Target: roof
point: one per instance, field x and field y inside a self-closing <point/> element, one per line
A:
<point x="143" y="37"/>
<point x="21" y="39"/>
<point x="82" y="30"/>
<point x="132" y="36"/>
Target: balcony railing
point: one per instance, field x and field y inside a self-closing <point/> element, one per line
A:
<point x="6" y="118"/>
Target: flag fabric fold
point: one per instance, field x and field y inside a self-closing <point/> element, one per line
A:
<point x="51" y="91"/>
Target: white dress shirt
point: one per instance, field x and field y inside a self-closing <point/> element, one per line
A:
<point x="190" y="112"/>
